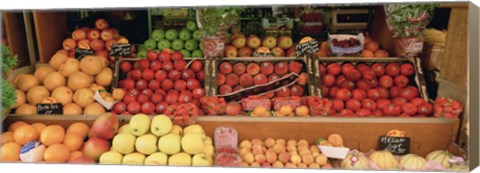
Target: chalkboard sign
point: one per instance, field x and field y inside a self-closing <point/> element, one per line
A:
<point x="80" y="53"/>
<point x="120" y="49"/>
<point x="50" y="109"/>
<point x="260" y="54"/>
<point x="395" y="145"/>
<point x="305" y="48"/>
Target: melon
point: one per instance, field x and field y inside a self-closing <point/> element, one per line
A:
<point x="93" y="109"/>
<point x="69" y="66"/>
<point x="441" y="156"/>
<point x="95" y="87"/>
<point x="26" y="109"/>
<point x="355" y="160"/>
<point x="79" y="80"/>
<point x="42" y="72"/>
<point x="63" y="95"/>
<point x="460" y="168"/>
<point x="57" y="60"/>
<point x="54" y="80"/>
<point x="384" y="159"/>
<point x="36" y="94"/>
<point x="72" y="109"/>
<point x="104" y="78"/>
<point x="26" y="82"/>
<point x="21" y="100"/>
<point x="91" y="65"/>
<point x="83" y="97"/>
<point x="412" y="162"/>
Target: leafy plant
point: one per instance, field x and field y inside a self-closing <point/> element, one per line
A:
<point x="217" y="19"/>
<point x="8" y="95"/>
<point x="8" y="60"/>
<point x="409" y="20"/>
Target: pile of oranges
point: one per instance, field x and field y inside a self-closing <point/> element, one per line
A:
<point x="372" y="49"/>
<point x="61" y="145"/>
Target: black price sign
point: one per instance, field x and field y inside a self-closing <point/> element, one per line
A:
<point x="80" y="53"/>
<point x="120" y="49"/>
<point x="395" y="145"/>
<point x="50" y="109"/>
<point x="260" y="54"/>
<point x="308" y="47"/>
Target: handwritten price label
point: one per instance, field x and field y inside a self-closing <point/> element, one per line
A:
<point x="120" y="49"/>
<point x="395" y="145"/>
<point x="80" y="53"/>
<point x="50" y="109"/>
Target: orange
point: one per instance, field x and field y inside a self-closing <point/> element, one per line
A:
<point x="14" y="126"/>
<point x="73" y="141"/>
<point x="286" y="109"/>
<point x="260" y="111"/>
<point x="6" y="138"/>
<point x="372" y="46"/>
<point x="52" y="134"/>
<point x="10" y="152"/>
<point x="57" y="153"/>
<point x="335" y="139"/>
<point x="74" y="155"/>
<point x="79" y="128"/>
<point x="39" y="127"/>
<point x="367" y="53"/>
<point x="322" y="53"/>
<point x="25" y="134"/>
<point x="381" y="53"/>
<point x="302" y="111"/>
<point x="367" y="40"/>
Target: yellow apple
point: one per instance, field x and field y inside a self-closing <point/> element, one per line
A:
<point x="139" y="124"/>
<point x="161" y="125"/>
<point x="123" y="143"/>
<point x="146" y="144"/>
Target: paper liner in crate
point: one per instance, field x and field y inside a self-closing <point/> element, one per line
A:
<point x="334" y="152"/>
<point x="107" y="105"/>
<point x="350" y="50"/>
<point x="293" y="101"/>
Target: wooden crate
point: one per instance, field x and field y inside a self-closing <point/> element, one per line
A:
<point x="17" y="37"/>
<point x="51" y="30"/>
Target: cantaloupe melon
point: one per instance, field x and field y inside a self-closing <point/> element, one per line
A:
<point x="63" y="95"/>
<point x="26" y="109"/>
<point x="26" y="82"/>
<point x="384" y="159"/>
<point x="79" y="80"/>
<point x="72" y="109"/>
<point x="21" y="99"/>
<point x="36" y="94"/>
<point x="57" y="60"/>
<point x="91" y="65"/>
<point x="94" y="109"/>
<point x="83" y="97"/>
<point x="42" y="72"/>
<point x="104" y="78"/>
<point x="69" y="66"/>
<point x="54" y="80"/>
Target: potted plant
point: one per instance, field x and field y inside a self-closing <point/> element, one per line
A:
<point x="213" y="24"/>
<point x="8" y="91"/>
<point x="407" y="21"/>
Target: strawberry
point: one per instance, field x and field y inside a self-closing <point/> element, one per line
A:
<point x="368" y="74"/>
<point x="354" y="75"/>
<point x="362" y="67"/>
<point x="417" y="101"/>
<point x="394" y="91"/>
<point x="409" y="92"/>
<point x="363" y="112"/>
<point x="392" y="69"/>
<point x="373" y="94"/>
<point x="353" y="104"/>
<point x="409" y="108"/>
<point x="392" y="110"/>
<point x="378" y="113"/>
<point x="386" y="81"/>
<point x="333" y="92"/>
<point x="401" y="81"/>
<point x="359" y="94"/>
<point x="363" y="85"/>
<point x="347" y="68"/>
<point x="399" y="101"/>
<point x="340" y="79"/>
<point x="338" y="105"/>
<point x="343" y="94"/>
<point x="369" y="104"/>
<point x="383" y="93"/>
<point x="382" y="102"/>
<point x="407" y="69"/>
<point x="348" y="84"/>
<point x="379" y="69"/>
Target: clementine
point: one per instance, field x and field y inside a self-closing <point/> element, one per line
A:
<point x="25" y="134"/>
<point x="16" y="125"/>
<point x="381" y="53"/>
<point x="73" y="141"/>
<point x="52" y="134"/>
<point x="74" y="155"/>
<point x="79" y="128"/>
<point x="6" y="138"/>
<point x="39" y="127"/>
<point x="10" y="152"/>
<point x="372" y="46"/>
<point x="302" y="111"/>
<point x="367" y="53"/>
<point x="56" y="153"/>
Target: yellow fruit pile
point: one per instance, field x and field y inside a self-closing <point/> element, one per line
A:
<point x="287" y="110"/>
<point x="145" y="141"/>
<point x="280" y="154"/>
<point x="52" y="143"/>
<point x="333" y="140"/>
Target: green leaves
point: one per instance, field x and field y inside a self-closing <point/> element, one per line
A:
<point x="8" y="95"/>
<point x="8" y="60"/>
<point x="408" y="20"/>
<point x="217" y="19"/>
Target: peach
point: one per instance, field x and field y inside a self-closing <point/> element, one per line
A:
<point x="93" y="34"/>
<point x="97" y="44"/>
<point x="327" y="166"/>
<point x="315" y="154"/>
<point x="244" y="164"/>
<point x="277" y="164"/>
<point x="266" y="68"/>
<point x="292" y="142"/>
<point x="314" y="166"/>
<point x="69" y="44"/>
<point x="79" y="34"/>
<point x="106" y="35"/>
<point x="225" y="89"/>
<point x="264" y="149"/>
<point x="260" y="79"/>
<point x="257" y="147"/>
<point x="245" y="52"/>
<point x="302" y="165"/>
<point x="295" y="67"/>
<point x="239" y="68"/>
<point x="257" y="141"/>
<point x="255" y="165"/>
<point x="246" y="80"/>
<point x="293" y="153"/>
<point x="281" y="68"/>
<point x="248" y="157"/>
<point x="220" y="79"/>
<point x="304" y="152"/>
<point x="290" y="165"/>
<point x="232" y="79"/>
<point x="271" y="156"/>
<point x="244" y="151"/>
<point x="302" y="147"/>
<point x="101" y="24"/>
<point x="291" y="148"/>
<point x="83" y="44"/>
<point x="273" y="77"/>
<point x="269" y="142"/>
<point x="278" y="148"/>
<point x="302" y="79"/>
<point x="321" y="159"/>
<point x="295" y="159"/>
<point x="246" y="144"/>
<point x="230" y="51"/>
<point x="314" y="148"/>
<point x="253" y="69"/>
<point x="280" y="141"/>
<point x="302" y="142"/>
<point x="109" y="44"/>
<point x="225" y="68"/>
<point x="284" y="157"/>
<point x="260" y="158"/>
<point x="307" y="158"/>
<point x="266" y="165"/>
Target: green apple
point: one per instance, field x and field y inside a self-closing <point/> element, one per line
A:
<point x="202" y="160"/>
<point x="171" y="34"/>
<point x="133" y="159"/>
<point x="192" y="143"/>
<point x="123" y="143"/>
<point x="157" y="158"/>
<point x="146" y="144"/>
<point x="177" y="44"/>
<point x="186" y="53"/>
<point x="170" y="144"/>
<point x="197" y="53"/>
<point x="191" y="44"/>
<point x="139" y="124"/>
<point x="158" y="34"/>
<point x="150" y="44"/>
<point x="124" y="129"/>
<point x="111" y="158"/>
<point x="163" y="44"/>
<point x="184" y="34"/>
<point x="196" y="35"/>
<point x="141" y="47"/>
<point x="191" y="25"/>
<point x="180" y="159"/>
<point x="161" y="125"/>
<point x="200" y="46"/>
<point x="142" y="54"/>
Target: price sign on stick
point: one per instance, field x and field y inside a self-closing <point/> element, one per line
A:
<point x="120" y="49"/>
<point x="395" y="145"/>
<point x="306" y="46"/>
<point x="80" y="53"/>
<point x="50" y="109"/>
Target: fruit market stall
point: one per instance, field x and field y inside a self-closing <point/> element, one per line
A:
<point x="201" y="93"/>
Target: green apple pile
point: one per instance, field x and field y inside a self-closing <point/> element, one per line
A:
<point x="156" y="141"/>
<point x="185" y="40"/>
